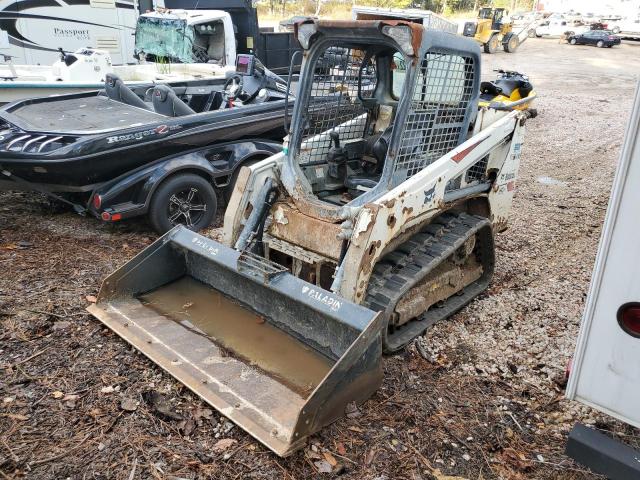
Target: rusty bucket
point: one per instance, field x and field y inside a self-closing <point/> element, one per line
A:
<point x="276" y="355"/>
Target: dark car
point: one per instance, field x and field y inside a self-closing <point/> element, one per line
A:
<point x="599" y="38"/>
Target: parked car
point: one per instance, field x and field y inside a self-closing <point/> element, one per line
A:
<point x="558" y="26"/>
<point x="599" y="38"/>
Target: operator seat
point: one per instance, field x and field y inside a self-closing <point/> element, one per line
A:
<point x="118" y="91"/>
<point x="166" y="102"/>
<point x="358" y="184"/>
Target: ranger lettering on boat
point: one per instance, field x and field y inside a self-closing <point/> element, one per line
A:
<point x="162" y="129"/>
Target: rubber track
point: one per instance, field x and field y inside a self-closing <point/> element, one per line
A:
<point x="403" y="268"/>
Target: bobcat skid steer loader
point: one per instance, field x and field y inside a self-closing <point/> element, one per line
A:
<point x="375" y="221"/>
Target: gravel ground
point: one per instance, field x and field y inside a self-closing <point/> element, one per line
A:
<point x="480" y="396"/>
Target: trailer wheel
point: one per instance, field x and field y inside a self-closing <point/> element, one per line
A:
<point x="511" y="43"/>
<point x="531" y="33"/>
<point x="183" y="199"/>
<point x="492" y="45"/>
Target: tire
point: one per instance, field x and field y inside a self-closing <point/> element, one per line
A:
<point x="600" y="44"/>
<point x="531" y="33"/>
<point x="228" y="190"/>
<point x="573" y="41"/>
<point x="175" y="201"/>
<point x="538" y="36"/>
<point x="616" y="30"/>
<point x="511" y="44"/>
<point x="492" y="45"/>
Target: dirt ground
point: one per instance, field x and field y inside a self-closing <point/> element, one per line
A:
<point x="480" y="396"/>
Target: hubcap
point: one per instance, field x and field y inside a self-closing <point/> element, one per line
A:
<point x="186" y="207"/>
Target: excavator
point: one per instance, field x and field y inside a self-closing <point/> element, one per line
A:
<point x="376" y="220"/>
<point x="490" y="31"/>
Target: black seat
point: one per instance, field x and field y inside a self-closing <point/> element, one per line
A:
<point x="490" y="88"/>
<point x="361" y="183"/>
<point x="506" y="86"/>
<point x="166" y="102"/>
<point x="377" y="148"/>
<point x="118" y="91"/>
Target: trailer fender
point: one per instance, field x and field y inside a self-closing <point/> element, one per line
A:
<point x="130" y="194"/>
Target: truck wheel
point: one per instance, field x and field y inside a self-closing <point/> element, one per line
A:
<point x="492" y="45"/>
<point x="600" y="44"/>
<point x="531" y="33"/>
<point x="511" y="43"/>
<point x="183" y="199"/>
<point x="573" y="41"/>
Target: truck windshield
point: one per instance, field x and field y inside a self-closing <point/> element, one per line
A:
<point x="165" y="38"/>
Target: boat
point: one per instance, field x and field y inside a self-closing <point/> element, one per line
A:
<point x="104" y="153"/>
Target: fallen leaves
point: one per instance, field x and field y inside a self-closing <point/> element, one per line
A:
<point x="330" y="458"/>
<point x="224" y="444"/>
<point x="129" y="404"/>
<point x="57" y="394"/>
<point x="15" y="416"/>
<point x="323" y="466"/>
<point x="161" y="405"/>
<point x="70" y="400"/>
<point x="91" y="299"/>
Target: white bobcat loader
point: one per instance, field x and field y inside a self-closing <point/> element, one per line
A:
<point x="376" y="221"/>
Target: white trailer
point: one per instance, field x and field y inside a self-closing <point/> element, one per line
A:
<point x="424" y="17"/>
<point x="606" y="367"/>
<point x="32" y="31"/>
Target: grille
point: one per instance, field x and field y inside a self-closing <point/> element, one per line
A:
<point x="436" y="121"/>
<point x="333" y="101"/>
<point x="478" y="170"/>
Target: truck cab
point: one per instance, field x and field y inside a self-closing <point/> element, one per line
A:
<point x="186" y="36"/>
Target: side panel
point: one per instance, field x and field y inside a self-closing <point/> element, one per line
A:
<point x="36" y="30"/>
<point x="606" y="370"/>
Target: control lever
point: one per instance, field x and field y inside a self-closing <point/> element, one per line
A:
<point x="336" y="158"/>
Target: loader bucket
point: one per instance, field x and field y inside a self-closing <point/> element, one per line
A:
<point x="276" y="355"/>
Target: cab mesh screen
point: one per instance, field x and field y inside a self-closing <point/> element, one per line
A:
<point x="333" y="104"/>
<point x="436" y="122"/>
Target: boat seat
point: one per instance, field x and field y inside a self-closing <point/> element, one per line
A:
<point x="118" y="91"/>
<point x="166" y="102"/>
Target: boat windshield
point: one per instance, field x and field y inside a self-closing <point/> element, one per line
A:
<point x="168" y="38"/>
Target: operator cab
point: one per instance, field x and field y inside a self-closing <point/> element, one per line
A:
<point x="347" y="110"/>
<point x="349" y="118"/>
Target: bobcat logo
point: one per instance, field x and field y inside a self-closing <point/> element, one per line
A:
<point x="429" y="195"/>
